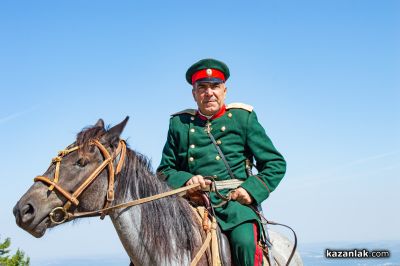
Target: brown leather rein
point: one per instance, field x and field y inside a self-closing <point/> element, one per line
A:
<point x="60" y="214"/>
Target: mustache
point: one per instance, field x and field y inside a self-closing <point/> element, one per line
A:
<point x="210" y="100"/>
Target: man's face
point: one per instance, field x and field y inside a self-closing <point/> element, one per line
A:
<point x="210" y="97"/>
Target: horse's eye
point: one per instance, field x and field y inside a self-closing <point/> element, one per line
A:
<point x="81" y="162"/>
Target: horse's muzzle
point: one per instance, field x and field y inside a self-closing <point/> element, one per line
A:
<point x="24" y="215"/>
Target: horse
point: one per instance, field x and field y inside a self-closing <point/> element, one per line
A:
<point x="98" y="172"/>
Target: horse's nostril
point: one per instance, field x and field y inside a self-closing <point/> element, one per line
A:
<point x="17" y="214"/>
<point x="15" y="210"/>
<point x="27" y="213"/>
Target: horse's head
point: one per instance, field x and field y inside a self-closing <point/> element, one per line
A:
<point x="80" y="178"/>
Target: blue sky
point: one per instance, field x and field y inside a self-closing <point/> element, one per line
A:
<point x="323" y="77"/>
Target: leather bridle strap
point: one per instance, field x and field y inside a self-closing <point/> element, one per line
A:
<point x="121" y="150"/>
<point x="57" y="161"/>
<point x="66" y="194"/>
<point x="108" y="161"/>
<point x="91" y="178"/>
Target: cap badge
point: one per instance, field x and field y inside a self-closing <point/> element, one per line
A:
<point x="209" y="72"/>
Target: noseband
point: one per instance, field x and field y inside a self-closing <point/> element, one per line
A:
<point x="73" y="198"/>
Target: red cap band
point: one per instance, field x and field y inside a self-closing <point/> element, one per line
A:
<point x="208" y="73"/>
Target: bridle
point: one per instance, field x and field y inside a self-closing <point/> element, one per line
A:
<point x="119" y="154"/>
<point x="72" y="199"/>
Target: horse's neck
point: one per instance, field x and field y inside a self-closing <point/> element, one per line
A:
<point x="127" y="223"/>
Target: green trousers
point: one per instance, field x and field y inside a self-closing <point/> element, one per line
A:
<point x="244" y="248"/>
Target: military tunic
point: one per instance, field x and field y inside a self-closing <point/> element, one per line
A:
<point x="189" y="151"/>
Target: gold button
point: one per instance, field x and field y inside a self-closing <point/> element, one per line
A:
<point x="223" y="128"/>
<point x="192" y="130"/>
<point x="230" y="115"/>
<point x="191" y="159"/>
<point x="217" y="157"/>
<point x="192" y="146"/>
<point x="192" y="118"/>
<point x="219" y="142"/>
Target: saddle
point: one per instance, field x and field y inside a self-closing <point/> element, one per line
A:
<point x="219" y="246"/>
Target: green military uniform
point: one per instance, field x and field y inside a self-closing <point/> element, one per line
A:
<point x="189" y="151"/>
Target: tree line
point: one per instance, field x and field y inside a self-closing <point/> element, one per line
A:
<point x="6" y="259"/>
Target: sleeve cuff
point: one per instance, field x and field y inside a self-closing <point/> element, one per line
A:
<point x="257" y="188"/>
<point x="179" y="179"/>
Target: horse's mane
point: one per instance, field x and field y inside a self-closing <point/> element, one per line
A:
<point x="163" y="221"/>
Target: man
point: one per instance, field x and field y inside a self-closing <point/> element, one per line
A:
<point x="189" y="155"/>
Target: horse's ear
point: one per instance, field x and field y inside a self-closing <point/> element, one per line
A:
<point x="112" y="135"/>
<point x="99" y="123"/>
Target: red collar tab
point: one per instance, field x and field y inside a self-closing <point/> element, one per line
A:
<point x="208" y="73"/>
<point x="220" y="113"/>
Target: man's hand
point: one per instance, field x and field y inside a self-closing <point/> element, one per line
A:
<point x="198" y="179"/>
<point x="242" y="196"/>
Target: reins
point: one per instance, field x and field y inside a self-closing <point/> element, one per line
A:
<point x="233" y="184"/>
<point x="133" y="202"/>
<point x="60" y="214"/>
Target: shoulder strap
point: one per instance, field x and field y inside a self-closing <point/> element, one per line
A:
<point x="186" y="111"/>
<point x="243" y="106"/>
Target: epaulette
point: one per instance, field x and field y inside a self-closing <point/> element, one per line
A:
<point x="246" y="107"/>
<point x="186" y="111"/>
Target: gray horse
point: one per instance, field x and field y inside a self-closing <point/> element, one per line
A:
<point x="81" y="180"/>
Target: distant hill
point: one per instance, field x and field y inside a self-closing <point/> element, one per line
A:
<point x="312" y="254"/>
<point x="99" y="261"/>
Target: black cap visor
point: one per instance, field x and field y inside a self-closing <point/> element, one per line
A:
<point x="210" y="80"/>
